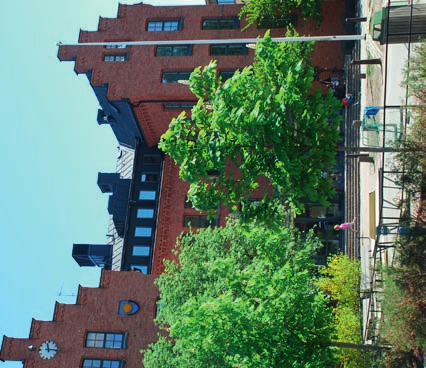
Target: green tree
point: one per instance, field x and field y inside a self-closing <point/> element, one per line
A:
<point x="342" y="281"/>
<point x="266" y="121"/>
<point x="257" y="10"/>
<point x="242" y="297"/>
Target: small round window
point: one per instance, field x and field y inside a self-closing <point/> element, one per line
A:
<point x="127" y="307"/>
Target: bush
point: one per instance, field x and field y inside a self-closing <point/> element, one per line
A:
<point x="343" y="282"/>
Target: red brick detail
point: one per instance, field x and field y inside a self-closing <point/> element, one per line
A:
<point x="81" y="295"/>
<point x="35" y="329"/>
<point x="99" y="314"/>
<point x="58" y="314"/>
<point x="146" y="123"/>
<point x="162" y="246"/>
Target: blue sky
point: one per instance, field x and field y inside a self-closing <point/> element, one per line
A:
<point x="51" y="151"/>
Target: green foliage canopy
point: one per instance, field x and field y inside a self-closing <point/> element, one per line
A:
<point x="265" y="121"/>
<point x="242" y="297"/>
<point x="257" y="10"/>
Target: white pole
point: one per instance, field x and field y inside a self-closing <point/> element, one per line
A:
<point x="212" y="42"/>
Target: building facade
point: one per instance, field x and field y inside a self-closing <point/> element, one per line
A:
<point x="107" y="327"/>
<point x="141" y="88"/>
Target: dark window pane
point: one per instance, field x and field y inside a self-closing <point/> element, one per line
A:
<point x="227" y="24"/>
<point x="149" y="177"/>
<point x="225" y="75"/>
<point x="180" y="50"/>
<point x="164" y="51"/>
<point x="218" y="50"/>
<point x="199" y="221"/>
<point x="221" y="23"/>
<point x="282" y="22"/>
<point x="170" y="77"/>
<point x="152" y="159"/>
<point x="210" y="24"/>
<point x="174" y="77"/>
<point x="236" y="49"/>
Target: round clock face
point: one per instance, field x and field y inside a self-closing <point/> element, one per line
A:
<point x="48" y="349"/>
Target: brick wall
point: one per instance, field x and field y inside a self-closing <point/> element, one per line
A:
<point x="96" y="310"/>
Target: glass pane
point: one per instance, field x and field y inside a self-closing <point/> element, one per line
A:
<point x="170" y="26"/>
<point x="226" y="75"/>
<point x="184" y="75"/>
<point x="210" y="24"/>
<point x="180" y="50"/>
<point x="235" y="49"/>
<point x="147" y="195"/>
<point x="218" y="50"/>
<point x="170" y="77"/>
<point x="155" y="26"/>
<point x="143" y="231"/>
<point x="164" y="51"/>
<point x="140" y="251"/>
<point x="149" y="177"/>
<point x="115" y="364"/>
<point x="145" y="213"/>
<point x="96" y="363"/>
<point x="227" y="23"/>
<point x="204" y="222"/>
<point x="191" y="221"/>
<point x="267" y="23"/>
<point x="141" y="268"/>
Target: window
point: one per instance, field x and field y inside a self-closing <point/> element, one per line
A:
<point x="143" y="231"/>
<point x="178" y="50"/>
<point x="127" y="307"/>
<point x="102" y="363"/>
<point x="139" y="268"/>
<point x="179" y="105"/>
<point x="175" y="77"/>
<point x="117" y="57"/>
<point x="199" y="221"/>
<point x="188" y="203"/>
<point x="281" y="22"/>
<point x="152" y="159"/>
<point x="105" y="340"/>
<point x="145" y="213"/>
<point x="141" y="251"/>
<point x="229" y="49"/>
<point x="164" y="25"/>
<point x="149" y="177"/>
<point x="221" y="23"/>
<point x="148" y="195"/>
<point x="116" y="46"/>
<point x="226" y="74"/>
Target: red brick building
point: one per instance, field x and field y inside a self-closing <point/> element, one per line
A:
<point x="139" y="94"/>
<point x="106" y="327"/>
